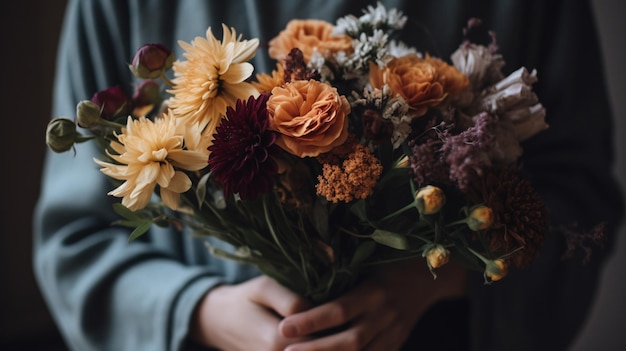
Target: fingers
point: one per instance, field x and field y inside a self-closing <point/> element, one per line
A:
<point x="267" y="292"/>
<point x="336" y="313"/>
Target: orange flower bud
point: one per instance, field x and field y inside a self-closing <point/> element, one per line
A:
<point x="480" y="218"/>
<point x="430" y="199"/>
<point x="496" y="269"/>
<point x="437" y="256"/>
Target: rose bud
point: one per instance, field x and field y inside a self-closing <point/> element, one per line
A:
<point x="113" y="103"/>
<point x="151" y="61"/>
<point x="480" y="218"/>
<point x="496" y="269"/>
<point x="88" y="114"/>
<point x="61" y="135"/>
<point x="146" y="96"/>
<point x="430" y="199"/>
<point x="436" y="256"/>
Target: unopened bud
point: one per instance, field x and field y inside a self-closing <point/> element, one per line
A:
<point x="87" y="114"/>
<point x="113" y="103"/>
<point x="430" y="199"/>
<point x="146" y="96"/>
<point x="436" y="256"/>
<point x="403" y="162"/>
<point x="480" y="218"/>
<point x="151" y="61"/>
<point x="61" y="134"/>
<point x="496" y="269"/>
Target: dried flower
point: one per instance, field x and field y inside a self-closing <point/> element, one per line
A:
<point x="480" y="218"/>
<point x="308" y="36"/>
<point x="151" y="61"/>
<point x="520" y="215"/>
<point x="375" y="127"/>
<point x="147" y="153"/>
<point x="212" y="77"/>
<point x="354" y="178"/>
<point x="430" y="199"/>
<point x="296" y="67"/>
<point x="310" y="116"/>
<point x="241" y="154"/>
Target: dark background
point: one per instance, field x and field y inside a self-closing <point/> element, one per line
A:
<point x="29" y="31"/>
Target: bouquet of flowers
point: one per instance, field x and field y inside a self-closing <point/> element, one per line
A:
<point x="357" y="150"/>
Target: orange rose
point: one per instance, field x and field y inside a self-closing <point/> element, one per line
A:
<point x="311" y="117"/>
<point x="422" y="83"/>
<point x="452" y="79"/>
<point x="308" y="35"/>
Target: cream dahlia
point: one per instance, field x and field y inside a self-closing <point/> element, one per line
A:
<point x="147" y="154"/>
<point x="212" y="77"/>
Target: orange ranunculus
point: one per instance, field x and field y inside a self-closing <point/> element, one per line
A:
<point x="422" y="83"/>
<point x="308" y="36"/>
<point x="452" y="79"/>
<point x="311" y="117"/>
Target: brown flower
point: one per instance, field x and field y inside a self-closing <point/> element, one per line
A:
<point x="422" y="83"/>
<point x="353" y="177"/>
<point x="520" y="215"/>
<point x="310" y="116"/>
<point x="308" y="35"/>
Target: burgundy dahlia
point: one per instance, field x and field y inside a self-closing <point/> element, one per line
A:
<point x="241" y="153"/>
<point x="521" y="217"/>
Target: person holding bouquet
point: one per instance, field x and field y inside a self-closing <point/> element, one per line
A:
<point x="165" y="291"/>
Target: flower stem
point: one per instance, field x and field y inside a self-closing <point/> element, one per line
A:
<point x="403" y="209"/>
<point x="166" y="80"/>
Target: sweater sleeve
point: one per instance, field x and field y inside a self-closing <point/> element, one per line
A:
<point x="104" y="292"/>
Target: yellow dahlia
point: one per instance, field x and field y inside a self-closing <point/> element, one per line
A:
<point x="212" y="77"/>
<point x="147" y="154"/>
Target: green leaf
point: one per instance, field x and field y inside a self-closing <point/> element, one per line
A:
<point x="359" y="209"/>
<point x="140" y="230"/>
<point x="391" y="239"/>
<point x="125" y="212"/>
<point x="129" y="224"/>
<point x="363" y="251"/>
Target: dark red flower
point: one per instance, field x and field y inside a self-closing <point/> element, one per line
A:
<point x="296" y="68"/>
<point x="375" y="127"/>
<point x="113" y="102"/>
<point x="151" y="60"/>
<point x="241" y="154"/>
<point x="147" y="94"/>
<point x="521" y="217"/>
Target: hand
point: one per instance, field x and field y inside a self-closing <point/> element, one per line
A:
<point x="246" y="316"/>
<point x="378" y="314"/>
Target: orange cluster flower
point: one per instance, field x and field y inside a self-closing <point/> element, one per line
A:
<point x="309" y="36"/>
<point x="354" y="178"/>
<point x="421" y="82"/>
